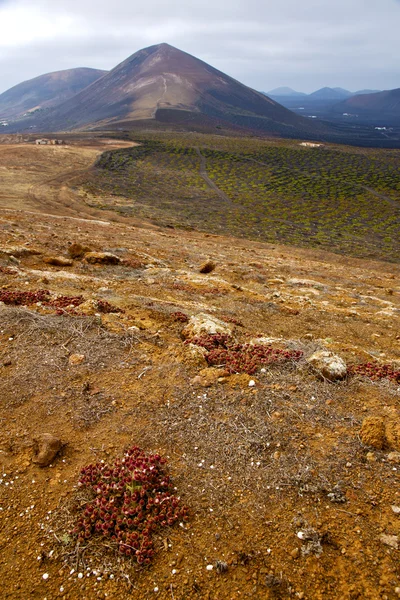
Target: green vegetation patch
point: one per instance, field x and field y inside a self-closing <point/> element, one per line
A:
<point x="344" y="200"/>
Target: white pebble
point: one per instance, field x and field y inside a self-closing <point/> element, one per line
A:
<point x="156" y="589"/>
<point x="252" y="383"/>
<point x="301" y="535"/>
<point x="45" y="576"/>
<point x="80" y="575"/>
<point x="209" y="567"/>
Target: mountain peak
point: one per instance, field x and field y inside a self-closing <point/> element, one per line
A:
<point x="163" y="83"/>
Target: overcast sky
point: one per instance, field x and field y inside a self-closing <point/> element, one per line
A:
<point x="305" y="44"/>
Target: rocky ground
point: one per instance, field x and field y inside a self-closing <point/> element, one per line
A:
<point x="287" y="462"/>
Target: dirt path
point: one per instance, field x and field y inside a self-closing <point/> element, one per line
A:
<point x="41" y="179"/>
<point x="209" y="182"/>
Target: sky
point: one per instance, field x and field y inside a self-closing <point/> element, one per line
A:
<point x="265" y="44"/>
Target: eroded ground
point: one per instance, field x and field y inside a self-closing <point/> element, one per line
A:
<point x="277" y="479"/>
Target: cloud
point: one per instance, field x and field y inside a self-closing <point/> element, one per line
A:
<point x="264" y="44"/>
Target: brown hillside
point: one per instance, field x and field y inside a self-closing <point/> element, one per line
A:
<point x="45" y="91"/>
<point x="163" y="79"/>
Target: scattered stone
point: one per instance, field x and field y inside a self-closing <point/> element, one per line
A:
<point x="46" y="447"/>
<point x="295" y="553"/>
<point x="76" y="359"/>
<point x="104" y="258"/>
<point x="208" y="376"/>
<point x="329" y="365"/>
<point x="19" y="251"/>
<point x="264" y="341"/>
<point x="373" y="432"/>
<point x="89" y="307"/>
<point x="195" y="356"/>
<point x="390" y="540"/>
<point x="76" y="250"/>
<point x="396" y="510"/>
<point x="207" y="267"/>
<point x="392" y="430"/>
<point x="394" y="457"/>
<point x="205" y="324"/>
<point x="58" y="261"/>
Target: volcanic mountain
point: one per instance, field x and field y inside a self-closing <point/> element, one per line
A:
<point x="382" y="107"/>
<point x="45" y="91"/>
<point x="164" y="84"/>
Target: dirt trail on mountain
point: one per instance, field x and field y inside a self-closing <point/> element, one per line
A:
<point x="210" y="182"/>
<point x="42" y="178"/>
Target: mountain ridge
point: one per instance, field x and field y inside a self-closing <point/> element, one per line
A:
<point x="45" y="91"/>
<point x="162" y="79"/>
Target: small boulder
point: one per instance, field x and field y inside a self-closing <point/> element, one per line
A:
<point x="393" y="433"/>
<point x="207" y="267"/>
<point x="76" y="359"/>
<point x="103" y="258"/>
<point x="19" y="251"/>
<point x="390" y="540"/>
<point x="89" y="307"/>
<point x="329" y="365"/>
<point x="394" y="457"/>
<point x="58" y="261"/>
<point x="46" y="447"/>
<point x="373" y="432"/>
<point x="195" y="356"/>
<point x="204" y="324"/>
<point x="76" y="250"/>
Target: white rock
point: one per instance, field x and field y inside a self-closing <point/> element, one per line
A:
<point x="45" y="576"/>
<point x="329" y="365"/>
<point x="396" y="510"/>
<point x="390" y="540"/>
<point x="203" y="324"/>
<point x="209" y="567"/>
<point x="394" y="457"/>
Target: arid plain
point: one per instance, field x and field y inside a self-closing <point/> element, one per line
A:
<point x="289" y="494"/>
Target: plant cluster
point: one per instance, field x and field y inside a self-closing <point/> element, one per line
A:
<point x="180" y="317"/>
<point x="376" y="371"/>
<point x="133" y="498"/>
<point x="275" y="192"/>
<point x="222" y="350"/>
<point x="105" y="307"/>
<point x="228" y="319"/>
<point x="133" y="263"/>
<point x="62" y="304"/>
<point x="8" y="271"/>
<point x="18" y="298"/>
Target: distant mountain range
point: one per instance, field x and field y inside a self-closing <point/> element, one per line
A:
<point x="325" y="93"/>
<point x="163" y="87"/>
<point x="364" y="106"/>
<point x="45" y="91"/>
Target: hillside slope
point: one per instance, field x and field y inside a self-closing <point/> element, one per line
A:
<point x="45" y="91"/>
<point x="381" y="105"/>
<point x="166" y="84"/>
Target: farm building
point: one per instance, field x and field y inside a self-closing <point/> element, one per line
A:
<point x="310" y="144"/>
